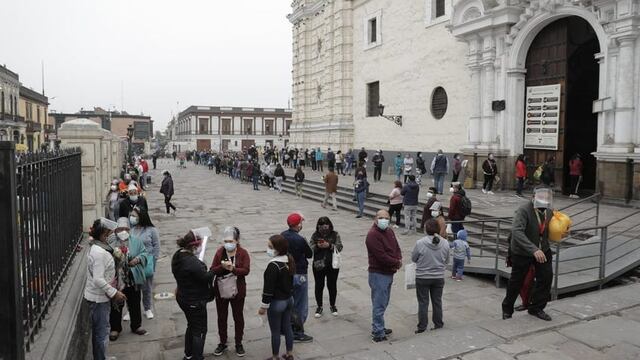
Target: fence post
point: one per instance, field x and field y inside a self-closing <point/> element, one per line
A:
<point x="12" y="334"/>
<point x="556" y="274"/>
<point x="603" y="255"/>
<point x="497" y="253"/>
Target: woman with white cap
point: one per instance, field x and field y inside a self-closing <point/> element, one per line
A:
<point x="231" y="265"/>
<point x="113" y="198"/>
<point x="131" y="259"/>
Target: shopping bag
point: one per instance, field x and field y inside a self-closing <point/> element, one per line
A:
<point x="410" y="276"/>
<point x="337" y="259"/>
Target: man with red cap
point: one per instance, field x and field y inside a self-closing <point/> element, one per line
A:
<point x="300" y="250"/>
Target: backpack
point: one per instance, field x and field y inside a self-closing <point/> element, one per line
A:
<point x="466" y="205"/>
<point x="538" y="173"/>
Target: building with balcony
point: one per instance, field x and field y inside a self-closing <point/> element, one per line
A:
<point x="115" y="121"/>
<point x="33" y="108"/>
<point x="222" y="128"/>
<point x="12" y="125"/>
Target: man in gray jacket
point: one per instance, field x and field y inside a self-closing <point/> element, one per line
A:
<point x="530" y="245"/>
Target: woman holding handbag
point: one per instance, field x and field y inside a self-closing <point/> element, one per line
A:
<point x="143" y="229"/>
<point x="231" y="264"/>
<point x="326" y="245"/>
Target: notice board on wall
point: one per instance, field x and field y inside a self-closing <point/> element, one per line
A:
<point x="542" y="117"/>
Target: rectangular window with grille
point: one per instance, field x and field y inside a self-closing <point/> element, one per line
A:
<point x="440" y="8"/>
<point x="373" y="98"/>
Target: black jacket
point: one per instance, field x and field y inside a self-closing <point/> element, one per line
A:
<point x="278" y="282"/>
<point x="192" y="277"/>
<point x="126" y="205"/>
<point x="489" y="167"/>
<point x="167" y="186"/>
<point x="298" y="177"/>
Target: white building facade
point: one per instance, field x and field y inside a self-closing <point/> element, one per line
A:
<point x="220" y="128"/>
<point x="459" y="71"/>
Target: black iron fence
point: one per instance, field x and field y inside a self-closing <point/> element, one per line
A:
<point x="44" y="230"/>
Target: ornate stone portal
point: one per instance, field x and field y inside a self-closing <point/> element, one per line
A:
<point x="499" y="34"/>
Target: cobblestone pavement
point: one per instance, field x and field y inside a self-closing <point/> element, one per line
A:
<point x="601" y="325"/>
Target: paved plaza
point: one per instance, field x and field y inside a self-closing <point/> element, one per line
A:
<point x="599" y="325"/>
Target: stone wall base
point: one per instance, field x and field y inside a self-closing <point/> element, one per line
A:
<point x="619" y="180"/>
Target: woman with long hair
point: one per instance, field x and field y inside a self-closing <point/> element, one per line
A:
<point x="395" y="202"/>
<point x="192" y="293"/>
<point x="143" y="229"/>
<point x="277" y="299"/>
<point x="324" y="241"/>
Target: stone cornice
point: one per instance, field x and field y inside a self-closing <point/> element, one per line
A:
<point x="305" y="11"/>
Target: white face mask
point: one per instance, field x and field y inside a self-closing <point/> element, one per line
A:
<point x="114" y="188"/>
<point x="123" y="235"/>
<point x="271" y="253"/>
<point x="133" y="198"/>
<point x="451" y="190"/>
<point x="429" y="195"/>
<point x="435" y="213"/>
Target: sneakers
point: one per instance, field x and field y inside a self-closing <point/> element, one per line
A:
<point x="304" y="338"/>
<point x="126" y="317"/>
<point x="220" y="349"/>
<point x="484" y="191"/>
<point x="386" y="332"/>
<point x="148" y="314"/>
<point x="240" y="350"/>
<point x="318" y="312"/>
<point x="334" y="311"/>
<point x="394" y="226"/>
<point x="574" y="196"/>
<point x="490" y="193"/>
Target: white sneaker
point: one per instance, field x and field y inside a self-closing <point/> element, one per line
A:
<point x="484" y="191"/>
<point x="148" y="314"/>
<point x="490" y="193"/>
<point x="126" y="317"/>
<point x="395" y="226"/>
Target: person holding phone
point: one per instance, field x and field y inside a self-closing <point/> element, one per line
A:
<point x="324" y="241"/>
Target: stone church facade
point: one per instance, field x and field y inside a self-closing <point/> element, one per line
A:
<point x="459" y="71"/>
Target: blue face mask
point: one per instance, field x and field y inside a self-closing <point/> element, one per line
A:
<point x="230" y="246"/>
<point x="383" y="224"/>
<point x="133" y="220"/>
<point x="271" y="252"/>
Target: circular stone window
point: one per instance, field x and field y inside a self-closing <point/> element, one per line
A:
<point x="439" y="102"/>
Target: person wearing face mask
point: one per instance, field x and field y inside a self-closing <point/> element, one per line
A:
<point x="398" y="163"/>
<point x="457" y="168"/>
<point x="432" y="197"/>
<point x="300" y="251"/>
<point x="437" y="214"/>
<point x="456" y="208"/>
<point x="166" y="189"/>
<point x="231" y="263"/>
<point x="410" y="193"/>
<point x="490" y="170"/>
<point x="439" y="169"/>
<point x="431" y="256"/>
<point x="124" y="184"/>
<point x="101" y="287"/>
<point x="385" y="259"/>
<point x="132" y="200"/>
<point x="378" y="160"/>
<point x="131" y="261"/>
<point x="143" y="229"/>
<point x="530" y="246"/>
<point x="360" y="189"/>
<point x="192" y="293"/>
<point x="324" y="241"/>
<point x="277" y="295"/>
<point x="421" y="168"/>
<point x="113" y="198"/>
<point x="407" y="166"/>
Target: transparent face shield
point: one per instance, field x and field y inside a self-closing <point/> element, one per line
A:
<point x="543" y="198"/>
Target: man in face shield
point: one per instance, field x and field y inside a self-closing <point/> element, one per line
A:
<point x="530" y="245"/>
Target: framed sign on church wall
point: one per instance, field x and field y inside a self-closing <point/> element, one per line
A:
<point x="542" y="117"/>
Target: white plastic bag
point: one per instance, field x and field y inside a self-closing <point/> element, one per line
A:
<point x="337" y="259"/>
<point x="410" y="276"/>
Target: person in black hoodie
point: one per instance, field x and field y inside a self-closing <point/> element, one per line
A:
<point x="324" y="242"/>
<point x="277" y="294"/>
<point x="167" y="190"/>
<point x="192" y="294"/>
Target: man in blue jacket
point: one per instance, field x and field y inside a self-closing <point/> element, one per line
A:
<point x="300" y="250"/>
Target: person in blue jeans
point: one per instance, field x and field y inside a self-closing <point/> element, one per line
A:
<point x="461" y="250"/>
<point x="360" y="189"/>
<point x="99" y="288"/>
<point x="439" y="169"/>
<point x="385" y="259"/>
<point x="277" y="302"/>
<point x="300" y="251"/>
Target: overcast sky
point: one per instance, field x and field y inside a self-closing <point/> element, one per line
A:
<point x="195" y="52"/>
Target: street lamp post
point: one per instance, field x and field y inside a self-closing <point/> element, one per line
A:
<point x="130" y="148"/>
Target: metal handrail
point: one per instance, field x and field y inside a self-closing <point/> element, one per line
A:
<point x="592" y="197"/>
